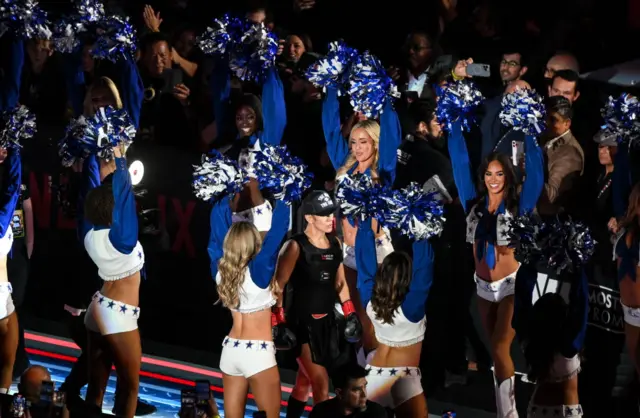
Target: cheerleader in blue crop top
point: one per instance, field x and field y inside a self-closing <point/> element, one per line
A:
<point x="243" y="266"/>
<point x="395" y="295"/>
<point x="8" y="318"/>
<point x="109" y="228"/>
<point x="552" y="334"/>
<point x="627" y="254"/>
<point x="258" y="121"/>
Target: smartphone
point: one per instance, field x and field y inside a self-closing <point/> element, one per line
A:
<point x="46" y="392"/>
<point x="517" y="152"/>
<point x="19" y="405"/>
<point x="59" y="398"/>
<point x="188" y="399"/>
<point x="479" y="70"/>
<point x="172" y="77"/>
<point x="203" y="394"/>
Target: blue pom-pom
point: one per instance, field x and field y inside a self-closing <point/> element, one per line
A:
<point x="415" y="213"/>
<point x="458" y="100"/>
<point x="90" y="11"/>
<point x="217" y="176"/>
<point x="523" y="110"/>
<point x="622" y="118"/>
<point x="525" y="236"/>
<point x="281" y="173"/>
<point x="217" y="38"/>
<point x="71" y="148"/>
<point x="117" y="39"/>
<point x="65" y="35"/>
<point x="333" y="69"/>
<point x="254" y="53"/>
<point x="108" y="128"/>
<point x="360" y="198"/>
<point x="25" y="18"/>
<point x="370" y="87"/>
<point x="18" y="124"/>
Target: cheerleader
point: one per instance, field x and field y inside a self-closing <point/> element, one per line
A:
<point x="110" y="235"/>
<point x="395" y="295"/>
<point x="552" y="334"/>
<point x="243" y="266"/>
<point x="627" y="254"/>
<point x="312" y="263"/>
<point x="371" y="150"/>
<point x="8" y="318"/>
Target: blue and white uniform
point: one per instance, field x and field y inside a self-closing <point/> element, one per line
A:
<point x="566" y="364"/>
<point x="114" y="249"/>
<point x="629" y="258"/>
<point x="392" y="386"/>
<point x="8" y="201"/>
<point x="338" y="150"/>
<point x="249" y="357"/>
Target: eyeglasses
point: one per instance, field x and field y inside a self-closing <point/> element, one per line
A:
<point x="511" y="64"/>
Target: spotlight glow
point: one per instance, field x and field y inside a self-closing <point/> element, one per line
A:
<point x="136" y="170"/>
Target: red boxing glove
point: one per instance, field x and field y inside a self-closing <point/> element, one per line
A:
<point x="348" y="308"/>
<point x="277" y="316"/>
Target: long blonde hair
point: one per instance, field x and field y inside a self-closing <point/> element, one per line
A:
<point x="102" y="82"/>
<point x="372" y="128"/>
<point x="241" y="244"/>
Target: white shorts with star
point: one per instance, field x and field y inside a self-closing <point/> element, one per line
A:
<point x="246" y="358"/>
<point x="393" y="386"/>
<point x="498" y="290"/>
<point x="108" y="316"/>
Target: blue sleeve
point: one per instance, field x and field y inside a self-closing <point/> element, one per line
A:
<point x="576" y="328"/>
<point x="220" y="85"/>
<point x="220" y="223"/>
<point x="263" y="266"/>
<point x="621" y="181"/>
<point x="534" y="175"/>
<point x="131" y="89"/>
<point x="337" y="147"/>
<point x="9" y="196"/>
<point x="90" y="180"/>
<point x="74" y="77"/>
<point x="366" y="260"/>
<point x="123" y="233"/>
<point x="10" y="88"/>
<point x="526" y="280"/>
<point x="274" y="114"/>
<point x="421" y="281"/>
<point x="390" y="139"/>
<point x="461" y="165"/>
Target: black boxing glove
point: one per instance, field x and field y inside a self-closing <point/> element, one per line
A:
<point x="283" y="337"/>
<point x="353" y="327"/>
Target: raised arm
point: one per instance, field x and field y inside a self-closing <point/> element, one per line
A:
<point x="421" y="281"/>
<point x="123" y="232"/>
<point x="10" y="87"/>
<point x="90" y="180"/>
<point x="263" y="265"/>
<point x="525" y="283"/>
<point x="576" y="328"/>
<point x="11" y="190"/>
<point x="461" y="165"/>
<point x="534" y="175"/>
<point x="366" y="260"/>
<point x="274" y="114"/>
<point x="220" y="220"/>
<point x="337" y="146"/>
<point x="132" y="89"/>
<point x="390" y="139"/>
<point x="74" y="77"/>
<point x="220" y="84"/>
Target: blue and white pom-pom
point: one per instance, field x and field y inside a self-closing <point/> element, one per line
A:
<point x="622" y="117"/>
<point x="360" y="198"/>
<point x="90" y="11"/>
<point x="333" y="69"/>
<point x="18" y="124"/>
<point x="370" y="87"/>
<point x="117" y="39"/>
<point x="217" y="176"/>
<point x="415" y="213"/>
<point x="66" y="30"/>
<point x="25" y="18"/>
<point x="218" y="37"/>
<point x="526" y="234"/>
<point x="71" y="148"/>
<point x="523" y="110"/>
<point x="458" y="100"/>
<point x="108" y="128"/>
<point x="254" y="53"/>
<point x="281" y="173"/>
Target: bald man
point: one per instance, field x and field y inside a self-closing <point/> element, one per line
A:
<point x="31" y="383"/>
<point x="561" y="61"/>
